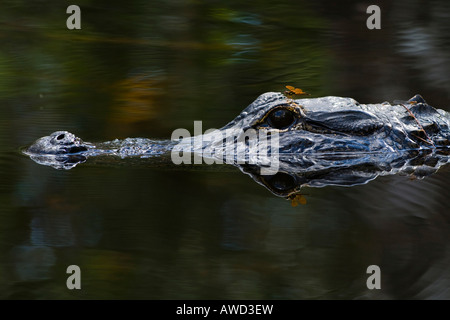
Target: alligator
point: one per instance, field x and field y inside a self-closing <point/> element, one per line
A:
<point x="320" y="141"/>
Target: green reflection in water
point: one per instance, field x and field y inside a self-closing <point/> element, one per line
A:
<point x="144" y="68"/>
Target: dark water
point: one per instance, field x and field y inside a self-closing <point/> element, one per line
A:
<point x="145" y="68"/>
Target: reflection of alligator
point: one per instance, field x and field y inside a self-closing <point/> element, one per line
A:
<point x="322" y="141"/>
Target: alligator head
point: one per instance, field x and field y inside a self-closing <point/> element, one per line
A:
<point x="320" y="141"/>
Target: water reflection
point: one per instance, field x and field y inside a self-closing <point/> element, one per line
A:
<point x="33" y="263"/>
<point x="422" y="43"/>
<point x="233" y="243"/>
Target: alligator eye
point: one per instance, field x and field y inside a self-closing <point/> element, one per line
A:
<point x="281" y="118"/>
<point x="60" y="137"/>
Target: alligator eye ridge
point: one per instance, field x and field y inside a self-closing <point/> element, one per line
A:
<point x="281" y="118"/>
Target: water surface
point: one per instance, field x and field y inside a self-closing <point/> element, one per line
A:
<point x="145" y="68"/>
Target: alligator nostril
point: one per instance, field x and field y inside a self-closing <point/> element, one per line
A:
<point x="60" y="137"/>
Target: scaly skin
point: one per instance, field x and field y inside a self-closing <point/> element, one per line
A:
<point x="355" y="142"/>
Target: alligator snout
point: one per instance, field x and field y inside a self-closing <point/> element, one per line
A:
<point x="59" y="142"/>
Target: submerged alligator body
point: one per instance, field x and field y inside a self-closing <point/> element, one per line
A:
<point x="321" y="141"/>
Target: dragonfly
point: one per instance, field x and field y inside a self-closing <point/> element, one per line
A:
<point x="297" y="199"/>
<point x="294" y="91"/>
